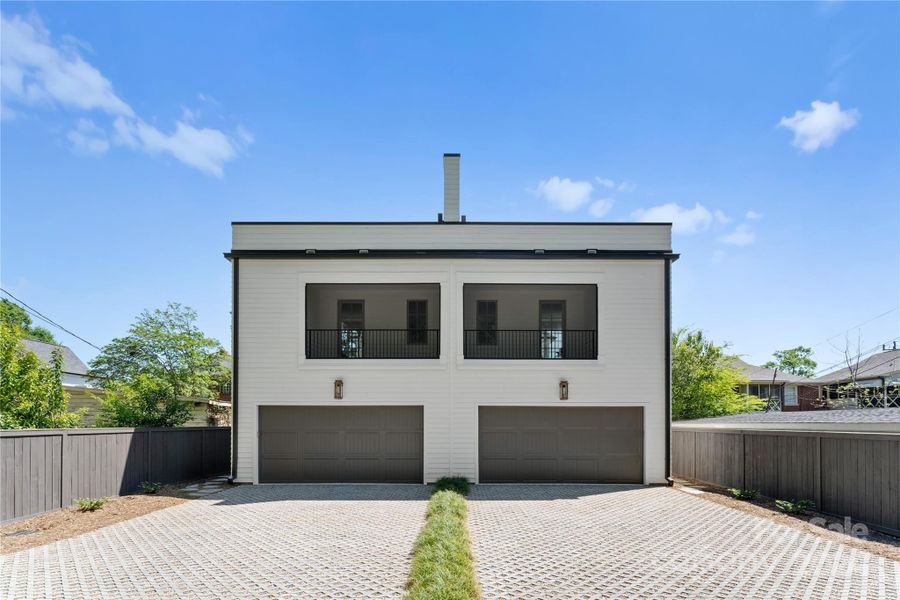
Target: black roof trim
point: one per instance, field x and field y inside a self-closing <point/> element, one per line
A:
<point x="367" y="223"/>
<point x="518" y="254"/>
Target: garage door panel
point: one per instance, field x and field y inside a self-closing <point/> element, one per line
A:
<point x="498" y="443"/>
<point x="561" y="444"/>
<point x="341" y="444"/>
<point x="319" y="443"/>
<point x="402" y="443"/>
<point x="544" y="442"/>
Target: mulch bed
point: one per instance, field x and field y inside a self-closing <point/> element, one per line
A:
<point x="875" y="542"/>
<point x="69" y="522"/>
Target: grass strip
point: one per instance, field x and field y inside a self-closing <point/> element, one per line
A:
<point x="443" y="566"/>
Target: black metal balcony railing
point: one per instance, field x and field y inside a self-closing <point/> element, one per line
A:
<point x="531" y="344"/>
<point x="373" y="343"/>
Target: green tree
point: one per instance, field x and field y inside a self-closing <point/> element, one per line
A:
<point x="31" y="393"/>
<point x="15" y="315"/>
<point x="148" y="374"/>
<point x="796" y="361"/>
<point x="704" y="382"/>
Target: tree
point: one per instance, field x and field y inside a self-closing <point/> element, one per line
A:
<point x="15" y="315"/>
<point x="704" y="381"/>
<point x="149" y="373"/>
<point x="31" y="393"/>
<point x="796" y="361"/>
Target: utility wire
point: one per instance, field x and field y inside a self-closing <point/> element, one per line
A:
<point x="846" y="331"/>
<point x="47" y="319"/>
<point x="855" y="358"/>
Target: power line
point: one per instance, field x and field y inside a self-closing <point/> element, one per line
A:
<point x="843" y="361"/>
<point x="47" y="319"/>
<point x="846" y="331"/>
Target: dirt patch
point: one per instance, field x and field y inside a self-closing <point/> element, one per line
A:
<point x="69" y="522"/>
<point x="875" y="542"/>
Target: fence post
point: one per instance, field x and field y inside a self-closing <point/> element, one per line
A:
<point x="817" y="474"/>
<point x="149" y="459"/>
<point x="65" y="490"/>
<point x="743" y="460"/>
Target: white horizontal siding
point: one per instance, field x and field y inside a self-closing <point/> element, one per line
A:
<point x="437" y="236"/>
<point x="630" y="369"/>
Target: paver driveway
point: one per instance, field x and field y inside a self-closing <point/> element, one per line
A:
<point x="593" y="541"/>
<point x="284" y="541"/>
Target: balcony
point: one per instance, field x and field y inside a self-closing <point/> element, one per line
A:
<point x="531" y="344"/>
<point x="373" y="343"/>
<point x="373" y="321"/>
<point x="530" y="321"/>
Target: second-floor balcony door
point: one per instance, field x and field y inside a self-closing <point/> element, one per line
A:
<point x="351" y="322"/>
<point x="553" y="327"/>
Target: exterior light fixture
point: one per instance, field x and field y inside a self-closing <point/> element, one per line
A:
<point x="310" y="250"/>
<point x="363" y="251"/>
<point x="563" y="389"/>
<point x="338" y="389"/>
<point x="592" y="251"/>
<point x="538" y="251"/>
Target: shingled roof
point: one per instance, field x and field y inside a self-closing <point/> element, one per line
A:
<point x="71" y="363"/>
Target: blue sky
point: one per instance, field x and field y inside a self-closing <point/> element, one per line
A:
<point x="132" y="134"/>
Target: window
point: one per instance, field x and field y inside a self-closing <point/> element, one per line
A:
<point x="351" y="323"/>
<point x="790" y="395"/>
<point x="553" y="326"/>
<point x="416" y="321"/>
<point x="486" y="322"/>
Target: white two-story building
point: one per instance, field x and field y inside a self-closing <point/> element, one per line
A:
<point x="404" y="352"/>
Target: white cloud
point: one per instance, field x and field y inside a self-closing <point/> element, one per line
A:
<point x="753" y="215"/>
<point x="610" y="184"/>
<point x="717" y="256"/>
<point x="36" y="72"/>
<point x="600" y="207"/>
<point x="721" y="218"/>
<point x="204" y="149"/>
<point x="684" y="220"/>
<point x="565" y="194"/>
<point x="87" y="138"/>
<point x="741" y="236"/>
<point x="821" y="126"/>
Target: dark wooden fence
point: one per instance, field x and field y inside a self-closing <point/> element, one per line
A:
<point x="845" y="474"/>
<point x="46" y="469"/>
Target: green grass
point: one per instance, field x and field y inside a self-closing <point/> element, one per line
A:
<point x="90" y="504"/>
<point x="443" y="566"/>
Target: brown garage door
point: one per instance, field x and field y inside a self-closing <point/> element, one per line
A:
<point x="565" y="444"/>
<point x="340" y="444"/>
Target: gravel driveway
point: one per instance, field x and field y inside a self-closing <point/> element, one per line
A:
<point x="596" y="541"/>
<point x="284" y="541"/>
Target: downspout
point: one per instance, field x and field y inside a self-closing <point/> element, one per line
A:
<point x="235" y="328"/>
<point x="667" y="338"/>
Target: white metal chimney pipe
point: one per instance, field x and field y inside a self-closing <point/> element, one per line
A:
<point x="451" y="188"/>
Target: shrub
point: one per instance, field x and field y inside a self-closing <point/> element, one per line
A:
<point x="150" y="487"/>
<point x="443" y="566"/>
<point x="742" y="494"/>
<point x="795" y="507"/>
<point x="459" y="485"/>
<point x="90" y="504"/>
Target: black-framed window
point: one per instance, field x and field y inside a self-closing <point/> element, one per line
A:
<point x="351" y="322"/>
<point x="486" y="322"/>
<point x="416" y="321"/>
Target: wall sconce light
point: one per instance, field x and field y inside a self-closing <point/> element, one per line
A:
<point x="563" y="389"/>
<point x="338" y="389"/>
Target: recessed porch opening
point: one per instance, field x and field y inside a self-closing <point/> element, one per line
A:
<point x="358" y="321"/>
<point x="530" y="321"/>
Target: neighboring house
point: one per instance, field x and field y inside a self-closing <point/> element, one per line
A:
<point x="80" y="389"/>
<point x="82" y="392"/>
<point x="873" y="382"/>
<point x="781" y="390"/>
<point x="404" y="352"/>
